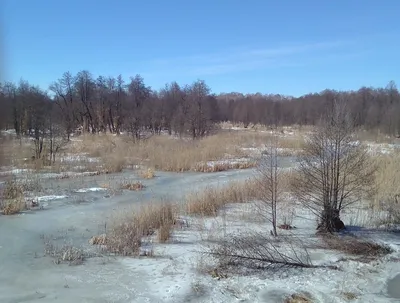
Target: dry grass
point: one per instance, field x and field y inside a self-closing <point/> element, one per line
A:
<point x="163" y="152"/>
<point x="12" y="198"/>
<point x="387" y="196"/>
<point x="355" y="246"/>
<point x="147" y="174"/>
<point x="349" y="296"/>
<point x="210" y="200"/>
<point x="127" y="231"/>
<point x="222" y="166"/>
<point x="134" y="186"/>
<point x="373" y="136"/>
<point x="298" y="298"/>
<point x="178" y="155"/>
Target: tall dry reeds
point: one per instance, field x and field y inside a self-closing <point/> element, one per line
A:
<point x="210" y="200"/>
<point x="128" y="229"/>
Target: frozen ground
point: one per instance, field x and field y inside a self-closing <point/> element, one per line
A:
<point x="75" y="209"/>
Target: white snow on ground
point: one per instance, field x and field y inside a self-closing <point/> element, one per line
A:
<point x="16" y="171"/>
<point x="381" y="148"/>
<point x="79" y="158"/>
<point x="179" y="270"/>
<point x="48" y="198"/>
<point x="257" y="151"/>
<point x="229" y="162"/>
<point x="8" y="132"/>
<point x="90" y="189"/>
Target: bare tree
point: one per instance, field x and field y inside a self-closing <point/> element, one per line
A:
<point x="268" y="182"/>
<point x="335" y="171"/>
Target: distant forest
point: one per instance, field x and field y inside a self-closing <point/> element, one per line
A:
<point x="107" y="104"/>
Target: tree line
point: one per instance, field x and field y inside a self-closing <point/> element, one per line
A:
<point x="84" y="103"/>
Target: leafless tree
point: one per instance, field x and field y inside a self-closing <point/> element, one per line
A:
<point x="335" y="171"/>
<point x="268" y="178"/>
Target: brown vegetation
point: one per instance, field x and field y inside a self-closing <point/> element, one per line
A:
<point x="128" y="230"/>
<point x="298" y="298"/>
<point x="147" y="174"/>
<point x="355" y="246"/>
<point x="12" y="199"/>
<point x="211" y="199"/>
<point x="135" y="186"/>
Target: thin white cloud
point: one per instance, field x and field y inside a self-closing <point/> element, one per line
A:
<point x="243" y="59"/>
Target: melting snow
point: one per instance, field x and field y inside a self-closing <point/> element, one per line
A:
<point x="49" y="198"/>
<point x="90" y="189"/>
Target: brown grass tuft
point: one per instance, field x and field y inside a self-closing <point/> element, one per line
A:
<point x="355" y="246"/>
<point x="349" y="296"/>
<point x="98" y="240"/>
<point x="210" y="200"/>
<point x="127" y="232"/>
<point x="147" y="174"/>
<point x="298" y="298"/>
<point x="135" y="186"/>
<point x="12" y="198"/>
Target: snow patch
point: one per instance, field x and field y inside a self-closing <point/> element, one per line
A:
<point x="90" y="189"/>
<point x="49" y="198"/>
<point x="16" y="171"/>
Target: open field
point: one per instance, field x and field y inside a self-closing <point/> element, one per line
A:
<point x="136" y="230"/>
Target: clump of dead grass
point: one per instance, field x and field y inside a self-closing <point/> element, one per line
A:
<point x="65" y="253"/>
<point x="134" y="186"/>
<point x="355" y="246"/>
<point x="298" y="298"/>
<point x="127" y="231"/>
<point x="12" y="199"/>
<point x="349" y="296"/>
<point x="147" y="174"/>
<point x="210" y="200"/>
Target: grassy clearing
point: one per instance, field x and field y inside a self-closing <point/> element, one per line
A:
<point x="128" y="230"/>
<point x="209" y="201"/>
<point x="165" y="153"/>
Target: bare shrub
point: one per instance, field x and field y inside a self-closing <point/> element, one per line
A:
<point x="135" y="186"/>
<point x="334" y="171"/>
<point x="127" y="231"/>
<point x="258" y="251"/>
<point x="355" y="246"/>
<point x="210" y="200"/>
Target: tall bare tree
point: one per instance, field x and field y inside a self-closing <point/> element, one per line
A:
<point x="334" y="171"/>
<point x="268" y="178"/>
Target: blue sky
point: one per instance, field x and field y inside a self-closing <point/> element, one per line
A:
<point x="289" y="47"/>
